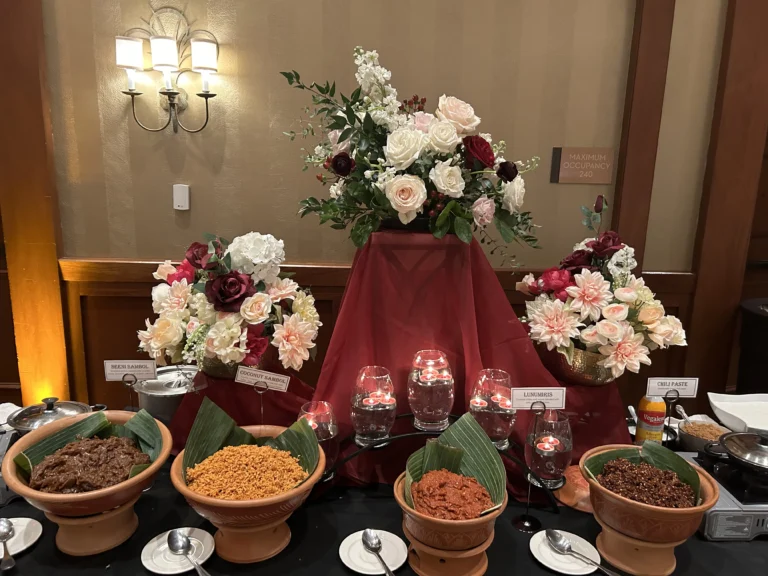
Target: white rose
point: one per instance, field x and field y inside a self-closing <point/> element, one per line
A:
<point x="283" y="289"/>
<point x="167" y="332"/>
<point x="337" y="189"/>
<point x="443" y="137"/>
<point x="256" y="309"/>
<point x="610" y="330"/>
<point x="625" y="294"/>
<point x="421" y="121"/>
<point x="651" y="312"/>
<point x="458" y="113"/>
<point x="192" y="325"/>
<point x="403" y="147"/>
<point x="224" y="334"/>
<point x="514" y="194"/>
<point x="407" y="195"/>
<point x="160" y="295"/>
<point x="667" y="332"/>
<point x="203" y="309"/>
<point x="304" y="306"/>
<point x="259" y="255"/>
<point x="163" y="270"/>
<point x="616" y="312"/>
<point x="447" y="179"/>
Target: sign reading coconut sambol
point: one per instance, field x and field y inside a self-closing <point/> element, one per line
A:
<point x="552" y="398"/>
<point x="260" y="379"/>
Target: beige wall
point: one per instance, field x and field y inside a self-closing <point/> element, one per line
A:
<point x="539" y="73"/>
<point x="694" y="62"/>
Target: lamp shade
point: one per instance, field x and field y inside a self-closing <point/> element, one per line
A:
<point x="204" y="55"/>
<point x="165" y="54"/>
<point x="129" y="53"/>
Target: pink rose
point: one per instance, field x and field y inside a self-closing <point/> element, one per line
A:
<point x="423" y="120"/>
<point x="556" y="281"/>
<point x="483" y="210"/>
<point x="337" y="148"/>
<point x="185" y="271"/>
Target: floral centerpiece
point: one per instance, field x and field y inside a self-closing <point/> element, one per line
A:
<point x="229" y="302"/>
<point x="593" y="303"/>
<point x="385" y="159"/>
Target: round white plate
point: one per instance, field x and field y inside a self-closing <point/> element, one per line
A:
<point x="542" y="551"/>
<point x="26" y="531"/>
<point x="157" y="558"/>
<point x="355" y="557"/>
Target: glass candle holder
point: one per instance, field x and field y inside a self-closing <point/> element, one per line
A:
<point x="430" y="390"/>
<point x="548" y="448"/>
<point x="491" y="405"/>
<point x="373" y="405"/>
<point x="321" y="418"/>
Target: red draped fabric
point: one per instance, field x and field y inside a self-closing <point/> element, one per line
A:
<point x="409" y="292"/>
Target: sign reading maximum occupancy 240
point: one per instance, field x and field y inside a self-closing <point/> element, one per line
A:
<point x="582" y="165"/>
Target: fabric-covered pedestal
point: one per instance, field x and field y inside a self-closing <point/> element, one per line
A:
<point x="410" y="291"/>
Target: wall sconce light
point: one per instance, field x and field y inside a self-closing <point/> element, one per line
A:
<point x="168" y="55"/>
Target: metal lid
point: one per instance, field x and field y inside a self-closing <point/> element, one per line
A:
<point x="748" y="447"/>
<point x="33" y="417"/>
<point x="170" y="381"/>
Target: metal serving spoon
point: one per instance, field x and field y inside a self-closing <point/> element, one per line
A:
<point x="562" y="545"/>
<point x="6" y="532"/>
<point x="372" y="543"/>
<point x="179" y="543"/>
<point x="681" y="411"/>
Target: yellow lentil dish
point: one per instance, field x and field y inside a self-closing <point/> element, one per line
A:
<point x="245" y="473"/>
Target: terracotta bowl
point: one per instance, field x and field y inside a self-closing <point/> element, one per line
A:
<point x="637" y="536"/>
<point x="445" y="534"/>
<point x="103" y="519"/>
<point x="249" y="530"/>
<point x="87" y="503"/>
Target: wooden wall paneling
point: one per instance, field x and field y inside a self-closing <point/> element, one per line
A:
<point x="734" y="164"/>
<point x="76" y="343"/>
<point x="643" y="103"/>
<point x="29" y="204"/>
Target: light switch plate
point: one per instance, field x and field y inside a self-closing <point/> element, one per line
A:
<point x="181" y="197"/>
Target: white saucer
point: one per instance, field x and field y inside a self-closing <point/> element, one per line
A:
<point x="542" y="551"/>
<point x="355" y="557"/>
<point x="157" y="558"/>
<point x="26" y="531"/>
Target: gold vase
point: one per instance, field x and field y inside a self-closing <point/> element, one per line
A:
<point x="215" y="368"/>
<point x="584" y="369"/>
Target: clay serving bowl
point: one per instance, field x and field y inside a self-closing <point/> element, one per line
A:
<point x="445" y="534"/>
<point x="91" y="522"/>
<point x="249" y="530"/>
<point x="640" y="538"/>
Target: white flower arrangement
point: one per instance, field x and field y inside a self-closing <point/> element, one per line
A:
<point x="593" y="302"/>
<point x="229" y="301"/>
<point x="385" y="159"/>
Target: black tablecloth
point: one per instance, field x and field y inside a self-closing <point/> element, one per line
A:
<point x="334" y="512"/>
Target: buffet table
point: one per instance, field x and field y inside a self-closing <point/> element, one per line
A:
<point x="327" y="518"/>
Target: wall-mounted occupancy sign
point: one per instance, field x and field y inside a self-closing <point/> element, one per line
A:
<point x="582" y="166"/>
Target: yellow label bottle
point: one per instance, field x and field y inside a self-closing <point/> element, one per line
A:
<point x="650" y="419"/>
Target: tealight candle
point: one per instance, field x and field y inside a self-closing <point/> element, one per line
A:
<point x="428" y="375"/>
<point x="478" y="403"/>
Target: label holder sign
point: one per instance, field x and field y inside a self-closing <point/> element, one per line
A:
<point x="552" y="398"/>
<point x="115" y="370"/>
<point x="685" y="387"/>
<point x="261" y="380"/>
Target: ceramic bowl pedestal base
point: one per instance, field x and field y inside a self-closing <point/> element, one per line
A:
<point x="249" y="545"/>
<point x="428" y="561"/>
<point x="89" y="535"/>
<point x="635" y="556"/>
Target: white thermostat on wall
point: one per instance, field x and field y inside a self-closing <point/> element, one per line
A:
<point x="181" y="197"/>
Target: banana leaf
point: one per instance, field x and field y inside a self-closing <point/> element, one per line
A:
<point x="654" y="454"/>
<point x="141" y="428"/>
<point x="214" y="429"/>
<point x="464" y="448"/>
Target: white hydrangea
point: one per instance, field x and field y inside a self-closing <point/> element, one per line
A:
<point x="259" y="255"/>
<point x="622" y="263"/>
<point x="583" y="245"/>
<point x="337" y="189"/>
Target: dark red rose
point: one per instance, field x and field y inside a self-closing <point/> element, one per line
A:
<point x="606" y="244"/>
<point x="227" y="292"/>
<point x="184" y="271"/>
<point x="198" y="256"/>
<point x="256" y="344"/>
<point x="507" y="171"/>
<point x="477" y="148"/>
<point x="342" y="164"/>
<point x="556" y="281"/>
<point x="599" y="204"/>
<point x="577" y="261"/>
